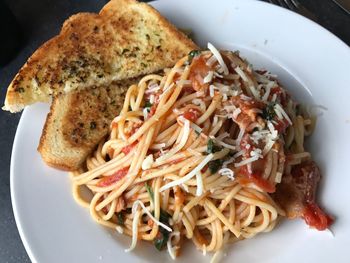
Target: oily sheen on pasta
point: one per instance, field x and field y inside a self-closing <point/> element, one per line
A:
<point x="210" y="150"/>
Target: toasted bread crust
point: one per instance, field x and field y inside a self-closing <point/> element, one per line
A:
<point x="124" y="40"/>
<point x="78" y="121"/>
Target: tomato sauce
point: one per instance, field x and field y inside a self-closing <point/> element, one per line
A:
<point x="127" y="149"/>
<point x="315" y="217"/>
<point x="256" y="178"/>
<point x="118" y="175"/>
<point x="281" y="125"/>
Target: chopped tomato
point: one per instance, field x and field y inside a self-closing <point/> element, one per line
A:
<point x="192" y="114"/>
<point x="281" y="95"/>
<point x="248" y="111"/>
<point x="199" y="69"/>
<point x="256" y="178"/>
<point x="128" y="148"/>
<point x="118" y="175"/>
<point x="315" y="217"/>
<point x="281" y="125"/>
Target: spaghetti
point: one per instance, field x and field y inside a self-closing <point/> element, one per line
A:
<point x="198" y="153"/>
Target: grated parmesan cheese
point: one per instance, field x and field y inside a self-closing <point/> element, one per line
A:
<point x="247" y="161"/>
<point x="199" y="178"/>
<point x="147" y="162"/>
<point x="208" y="78"/>
<point x="240" y="136"/>
<point x="151" y="98"/>
<point x="211" y="61"/>
<point x="227" y="172"/>
<point x="279" y="109"/>
<point x="241" y="73"/>
<point x="145" y="113"/>
<point x="211" y="90"/>
<point x="171" y="249"/>
<point x="278" y="178"/>
<point x="218" y="56"/>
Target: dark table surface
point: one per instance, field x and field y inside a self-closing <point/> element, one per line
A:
<point x="40" y="20"/>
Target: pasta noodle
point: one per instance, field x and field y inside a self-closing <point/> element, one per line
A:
<point x="196" y="153"/>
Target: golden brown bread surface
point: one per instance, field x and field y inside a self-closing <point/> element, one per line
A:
<point x="126" y="39"/>
<point x="78" y="121"/>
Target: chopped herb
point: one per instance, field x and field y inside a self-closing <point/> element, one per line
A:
<point x="148" y="37"/>
<point x="120" y="218"/>
<point x="92" y="125"/>
<point x="269" y="112"/>
<point x="214" y="166"/>
<point x="144" y="65"/>
<point x="125" y="50"/>
<point x="148" y="104"/>
<point x="149" y="191"/>
<point x="212" y="148"/>
<point x="19" y="90"/>
<point x="163" y="235"/>
<point x="161" y="239"/>
<point x="193" y="54"/>
<point x="164" y="216"/>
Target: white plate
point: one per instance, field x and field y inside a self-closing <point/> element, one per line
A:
<point x="312" y="63"/>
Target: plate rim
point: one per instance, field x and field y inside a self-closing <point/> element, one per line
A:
<point x="15" y="206"/>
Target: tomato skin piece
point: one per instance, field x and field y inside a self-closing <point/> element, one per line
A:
<point x="109" y="180"/>
<point x="315" y="217"/>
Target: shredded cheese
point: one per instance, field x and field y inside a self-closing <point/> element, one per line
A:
<point x="211" y="90"/>
<point x="247" y="161"/>
<point x="278" y="177"/>
<point x="218" y="56"/>
<point x="211" y="61"/>
<point x="119" y="229"/>
<point x="278" y="108"/>
<point x="135" y="221"/>
<point x="138" y="202"/>
<point x="147" y="162"/>
<point x="227" y="172"/>
<point x="151" y="98"/>
<point x="171" y="249"/>
<point x="241" y="73"/>
<point x="240" y="136"/>
<point x="208" y="78"/>
<point x="145" y="113"/>
<point x="199" y="178"/>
